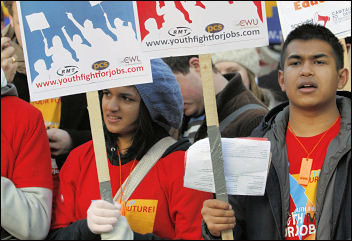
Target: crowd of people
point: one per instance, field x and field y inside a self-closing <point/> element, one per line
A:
<point x="49" y="180"/>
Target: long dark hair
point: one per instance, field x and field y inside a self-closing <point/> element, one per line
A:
<point x="146" y="135"/>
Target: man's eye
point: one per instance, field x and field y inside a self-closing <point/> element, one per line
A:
<point x="319" y="62"/>
<point x="294" y="63"/>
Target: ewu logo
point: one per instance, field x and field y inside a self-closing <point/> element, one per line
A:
<point x="214" y="28"/>
<point x="100" y="65"/>
<point x="248" y="22"/>
<point x="179" y="31"/>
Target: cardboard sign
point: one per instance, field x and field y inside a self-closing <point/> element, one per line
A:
<point x="93" y="3"/>
<point x="81" y="47"/>
<point x="37" y="21"/>
<point x="334" y="15"/>
<point x="174" y="28"/>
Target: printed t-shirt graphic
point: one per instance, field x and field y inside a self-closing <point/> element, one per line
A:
<point x="301" y="223"/>
<point x="140" y="214"/>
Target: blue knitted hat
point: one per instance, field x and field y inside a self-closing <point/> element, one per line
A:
<point x="163" y="97"/>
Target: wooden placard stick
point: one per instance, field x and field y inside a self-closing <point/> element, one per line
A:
<point x="96" y="125"/>
<point x="214" y="135"/>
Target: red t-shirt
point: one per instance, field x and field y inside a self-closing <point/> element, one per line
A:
<point x="25" y="152"/>
<point x="159" y="205"/>
<point x="301" y="222"/>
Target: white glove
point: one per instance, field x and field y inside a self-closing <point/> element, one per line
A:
<point x="122" y="231"/>
<point x="105" y="218"/>
<point x="102" y="216"/>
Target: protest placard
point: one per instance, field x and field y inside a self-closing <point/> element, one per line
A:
<point x="37" y="21"/>
<point x="173" y="28"/>
<point x="93" y="3"/>
<point x="334" y="15"/>
<point x="80" y="47"/>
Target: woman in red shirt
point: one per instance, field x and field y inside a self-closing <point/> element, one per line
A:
<point x="135" y="118"/>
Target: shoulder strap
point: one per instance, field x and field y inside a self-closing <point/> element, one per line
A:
<point x="144" y="165"/>
<point x="224" y="123"/>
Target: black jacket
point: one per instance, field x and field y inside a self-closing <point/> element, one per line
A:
<point x="265" y="217"/>
<point x="234" y="96"/>
<point x="74" y="115"/>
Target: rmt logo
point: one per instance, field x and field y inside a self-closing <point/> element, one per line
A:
<point x="67" y="70"/>
<point x="180" y="31"/>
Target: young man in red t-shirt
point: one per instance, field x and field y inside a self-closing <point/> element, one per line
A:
<point x="308" y="190"/>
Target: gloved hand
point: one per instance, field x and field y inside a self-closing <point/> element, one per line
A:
<point x="122" y="231"/>
<point x="102" y="216"/>
<point x="105" y="218"/>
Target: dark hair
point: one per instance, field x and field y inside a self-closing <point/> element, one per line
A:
<point x="180" y="64"/>
<point x="8" y="5"/>
<point x="314" y="31"/>
<point x="146" y="134"/>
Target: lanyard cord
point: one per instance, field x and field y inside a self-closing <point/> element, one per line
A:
<point x="321" y="138"/>
<point x="123" y="204"/>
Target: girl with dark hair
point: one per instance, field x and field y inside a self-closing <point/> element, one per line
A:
<point x="145" y="135"/>
<point x="136" y="119"/>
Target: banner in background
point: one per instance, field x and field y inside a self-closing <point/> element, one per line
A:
<point x="5" y="11"/>
<point x="274" y="28"/>
<point x="335" y="15"/>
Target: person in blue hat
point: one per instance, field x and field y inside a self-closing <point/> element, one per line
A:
<point x="135" y="118"/>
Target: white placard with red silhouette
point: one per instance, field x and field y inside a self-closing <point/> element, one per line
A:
<point x="335" y="15"/>
<point x="174" y="28"/>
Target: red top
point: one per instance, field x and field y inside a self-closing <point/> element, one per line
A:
<point x="301" y="222"/>
<point x="159" y="205"/>
<point x="25" y="152"/>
